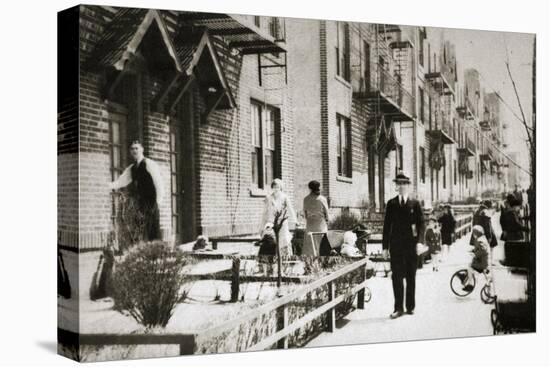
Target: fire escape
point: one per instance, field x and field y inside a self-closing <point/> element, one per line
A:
<point x="382" y="87"/>
<point x="441" y="78"/>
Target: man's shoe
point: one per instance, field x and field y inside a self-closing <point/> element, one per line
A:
<point x="396" y="314"/>
<point x="410" y="312"/>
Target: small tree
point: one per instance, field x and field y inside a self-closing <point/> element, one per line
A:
<point x="147" y="283"/>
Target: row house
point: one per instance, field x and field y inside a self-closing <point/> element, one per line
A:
<point x="437" y="105"/>
<point x="206" y="94"/>
<point x="353" y="109"/>
<point x="226" y="103"/>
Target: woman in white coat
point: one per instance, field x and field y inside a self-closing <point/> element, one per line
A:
<point x="316" y="213"/>
<point x="278" y="204"/>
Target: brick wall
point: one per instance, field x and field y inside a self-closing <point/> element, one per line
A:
<point x="67" y="128"/>
<point x="322" y="96"/>
<point x="305" y="72"/>
<point x="228" y="202"/>
<point x="222" y="144"/>
<point x="345" y="192"/>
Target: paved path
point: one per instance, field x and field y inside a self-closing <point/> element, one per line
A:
<point x="439" y="313"/>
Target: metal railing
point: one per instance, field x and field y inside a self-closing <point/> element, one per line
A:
<point x="442" y="123"/>
<point x="448" y="75"/>
<point x="394" y="90"/>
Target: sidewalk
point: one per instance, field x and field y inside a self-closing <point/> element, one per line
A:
<point x="438" y="314"/>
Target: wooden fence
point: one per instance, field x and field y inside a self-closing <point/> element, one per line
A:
<point x="188" y="341"/>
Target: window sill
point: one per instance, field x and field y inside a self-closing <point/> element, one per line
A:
<point x="256" y="192"/>
<point x="343" y="81"/>
<point x="344" y="179"/>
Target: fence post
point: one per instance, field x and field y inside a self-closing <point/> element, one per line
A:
<point x="187" y="345"/>
<point x="361" y="293"/>
<point x="282" y="322"/>
<point x="331" y="314"/>
<point x="235" y="281"/>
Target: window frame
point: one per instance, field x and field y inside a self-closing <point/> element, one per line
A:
<point x="421" y="47"/>
<point x="455" y="172"/>
<point x="175" y="184"/>
<point x="261" y="145"/>
<point x="422" y="102"/>
<point x="422" y="153"/>
<point x="445" y="174"/>
<point x="344" y="147"/>
<point x="343" y="51"/>
<point x="398" y="158"/>
<point x="118" y="109"/>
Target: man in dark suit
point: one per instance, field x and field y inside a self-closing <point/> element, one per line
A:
<point x="403" y="228"/>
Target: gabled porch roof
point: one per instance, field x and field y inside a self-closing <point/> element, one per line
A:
<point x="124" y="35"/>
<point x="199" y="59"/>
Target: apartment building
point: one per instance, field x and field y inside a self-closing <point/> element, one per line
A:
<point x="353" y="109"/>
<point x="208" y="97"/>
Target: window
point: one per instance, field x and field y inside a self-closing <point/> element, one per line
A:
<point x="455" y="172"/>
<point x="343" y="50"/>
<point x="398" y="159"/>
<point x="269" y="149"/>
<point x="174" y="184"/>
<point x="455" y="134"/>
<point x="343" y="155"/>
<point x="256" y="126"/>
<point x="430" y="112"/>
<point x="445" y="174"/>
<point x="274" y="27"/>
<point x="422" y="165"/>
<point x="478" y="172"/>
<point x="264" y="126"/>
<point x="421" y="47"/>
<point x="117" y="143"/>
<point x="366" y="67"/>
<point x="257" y="21"/>
<point x="421" y="99"/>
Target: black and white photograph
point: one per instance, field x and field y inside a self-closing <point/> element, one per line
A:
<point x="231" y="183"/>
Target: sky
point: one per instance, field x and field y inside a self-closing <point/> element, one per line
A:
<point x="487" y="51"/>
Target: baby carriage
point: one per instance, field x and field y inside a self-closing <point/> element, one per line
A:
<point x="332" y="243"/>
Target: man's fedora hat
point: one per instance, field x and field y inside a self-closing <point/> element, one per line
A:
<point x="402" y="178"/>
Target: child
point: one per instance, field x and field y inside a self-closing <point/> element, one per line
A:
<point x="268" y="245"/>
<point x="480" y="260"/>
<point x="433" y="240"/>
<point x="200" y="243"/>
<point x="348" y="248"/>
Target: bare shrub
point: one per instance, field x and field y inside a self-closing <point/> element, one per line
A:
<point x="148" y="283"/>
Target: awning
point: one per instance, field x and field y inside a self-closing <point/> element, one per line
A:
<point x="382" y="134"/>
<point x="239" y="31"/>
<point x="124" y="35"/>
<point x="199" y="59"/>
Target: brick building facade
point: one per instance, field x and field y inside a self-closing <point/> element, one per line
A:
<point x="404" y="105"/>
<point x="188" y="86"/>
<point x="226" y="103"/>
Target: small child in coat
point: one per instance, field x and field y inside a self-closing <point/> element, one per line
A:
<point x="433" y="240"/>
<point x="480" y="260"/>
